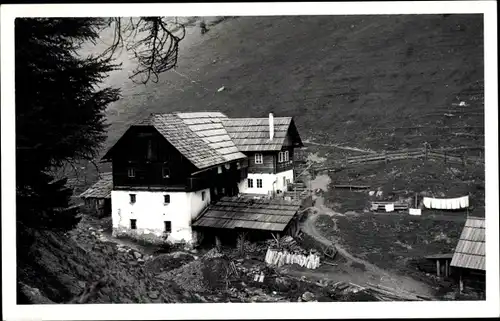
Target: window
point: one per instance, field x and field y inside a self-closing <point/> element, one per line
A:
<point x="165" y="172"/>
<point x="203" y="195"/>
<point x="283" y="156"/>
<point x="250" y="183"/>
<point x="132" y="198"/>
<point x="133" y="224"/>
<point x="259" y="183"/>
<point x="131" y="172"/>
<point x="259" y="159"/>
<point x="168" y="226"/>
<point x="166" y="199"/>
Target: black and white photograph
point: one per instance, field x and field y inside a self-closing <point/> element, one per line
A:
<point x="172" y="156"/>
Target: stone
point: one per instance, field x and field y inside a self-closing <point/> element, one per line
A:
<point x="308" y="296"/>
<point x="153" y="294"/>
<point x="140" y="260"/>
<point x="137" y="255"/>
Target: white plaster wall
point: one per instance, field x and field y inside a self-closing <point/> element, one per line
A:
<point x="267" y="184"/>
<point x="287" y="175"/>
<point x="150" y="212"/>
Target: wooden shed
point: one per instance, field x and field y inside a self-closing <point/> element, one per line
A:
<point x="98" y="197"/>
<point x="255" y="218"/>
<point x="469" y="258"/>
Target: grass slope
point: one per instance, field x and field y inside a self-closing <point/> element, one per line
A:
<point x="344" y="78"/>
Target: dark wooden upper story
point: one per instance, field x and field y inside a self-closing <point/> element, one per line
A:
<point x="144" y="160"/>
<point x="270" y="162"/>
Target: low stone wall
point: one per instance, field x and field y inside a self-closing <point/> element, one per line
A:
<point x="144" y="235"/>
<point x="149" y="236"/>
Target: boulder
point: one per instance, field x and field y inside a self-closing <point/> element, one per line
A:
<point x="137" y="255"/>
<point x="308" y="297"/>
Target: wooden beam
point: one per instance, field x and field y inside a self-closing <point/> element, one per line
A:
<point x="461" y="282"/>
<point x="217" y="242"/>
<point x="438" y="268"/>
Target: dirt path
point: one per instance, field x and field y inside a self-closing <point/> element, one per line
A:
<point x="371" y="273"/>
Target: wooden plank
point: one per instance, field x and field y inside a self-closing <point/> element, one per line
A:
<point x="352" y="186"/>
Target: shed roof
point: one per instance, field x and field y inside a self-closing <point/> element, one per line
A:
<point x="200" y="137"/>
<point x="470" y="250"/>
<point x="440" y="256"/>
<point x="101" y="189"/>
<point x="252" y="134"/>
<point x="241" y="212"/>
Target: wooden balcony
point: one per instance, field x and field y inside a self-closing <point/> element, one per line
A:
<point x="285" y="166"/>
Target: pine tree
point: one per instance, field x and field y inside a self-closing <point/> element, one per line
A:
<point x="59" y="112"/>
<point x="60" y="101"/>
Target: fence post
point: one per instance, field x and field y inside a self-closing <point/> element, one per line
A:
<point x="425" y="152"/>
<point x="385" y="156"/>
<point x="445" y="156"/>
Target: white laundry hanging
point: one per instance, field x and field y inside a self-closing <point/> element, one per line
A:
<point x="427" y="202"/>
<point x="415" y="211"/>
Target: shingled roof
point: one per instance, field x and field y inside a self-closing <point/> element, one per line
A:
<point x="470" y="252"/>
<point x="101" y="189"/>
<point x="200" y="137"/>
<point x="241" y="212"/>
<point x="252" y="134"/>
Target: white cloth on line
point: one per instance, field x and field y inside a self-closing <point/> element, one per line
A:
<point x="466" y="201"/>
<point x="389" y="207"/>
<point x="415" y="211"/>
<point x="449" y="203"/>
<point x="427" y="202"/>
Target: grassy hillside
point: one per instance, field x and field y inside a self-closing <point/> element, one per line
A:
<point x="346" y="79"/>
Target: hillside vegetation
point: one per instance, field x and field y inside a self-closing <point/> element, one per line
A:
<point x="346" y="79"/>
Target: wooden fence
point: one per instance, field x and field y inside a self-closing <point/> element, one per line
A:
<point x="447" y="155"/>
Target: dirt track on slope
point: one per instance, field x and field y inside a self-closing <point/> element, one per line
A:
<point x="372" y="274"/>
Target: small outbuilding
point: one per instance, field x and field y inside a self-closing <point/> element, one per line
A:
<point x="97" y="199"/>
<point x="255" y="219"/>
<point x="469" y="258"/>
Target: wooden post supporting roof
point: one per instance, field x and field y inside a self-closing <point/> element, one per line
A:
<point x="438" y="268"/>
<point x="217" y="242"/>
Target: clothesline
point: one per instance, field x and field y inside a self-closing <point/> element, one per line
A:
<point x="446" y="203"/>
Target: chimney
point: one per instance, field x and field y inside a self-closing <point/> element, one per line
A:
<point x="271" y="126"/>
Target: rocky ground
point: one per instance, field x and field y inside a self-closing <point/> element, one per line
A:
<point x="87" y="266"/>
